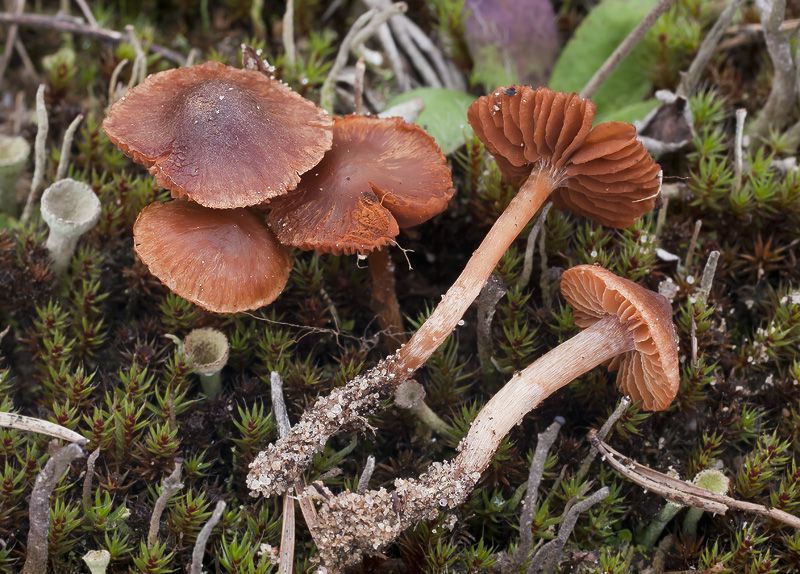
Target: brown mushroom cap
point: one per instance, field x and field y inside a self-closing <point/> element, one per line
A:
<point x="225" y="137"/>
<point x="650" y="372"/>
<point x="224" y="260"/>
<point x="609" y="176"/>
<point x="380" y="175"/>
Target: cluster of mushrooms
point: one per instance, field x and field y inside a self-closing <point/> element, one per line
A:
<point x="232" y="143"/>
<point x="254" y="168"/>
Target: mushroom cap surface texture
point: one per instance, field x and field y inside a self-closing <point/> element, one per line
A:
<point x="380" y="175"/>
<point x="649" y="373"/>
<point x="608" y="174"/>
<point x="224" y="260"/>
<point x="222" y="136"/>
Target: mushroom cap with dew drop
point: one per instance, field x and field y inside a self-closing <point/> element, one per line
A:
<point x="380" y="175"/>
<point x="607" y="174"/>
<point x="224" y="137"/>
<point x="649" y="373"/>
<point x="224" y="260"/>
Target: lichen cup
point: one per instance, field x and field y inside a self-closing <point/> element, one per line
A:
<point x="70" y="208"/>
<point x="14" y="152"/>
<point x="208" y="350"/>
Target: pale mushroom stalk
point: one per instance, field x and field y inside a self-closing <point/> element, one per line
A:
<point x="593" y="346"/>
<point x="530" y="197"/>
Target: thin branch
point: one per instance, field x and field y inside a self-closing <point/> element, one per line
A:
<point x="393" y="55"/>
<point x="623" y="405"/>
<point x="550" y="554"/>
<point x="40" y="157"/>
<point x="530" y="246"/>
<point x="278" y="404"/>
<point x="11" y="39"/>
<point x="692" y="76"/>
<point x="202" y="538"/>
<point x="358" y="87"/>
<point x="781" y="102"/>
<point x="366" y="475"/>
<point x="66" y="147"/>
<point x="741" y="114"/>
<point x="492" y="292"/>
<point x="692" y="246"/>
<point x="288" y="34"/>
<point x="364" y="26"/>
<point x="172" y="484"/>
<point x="544" y="442"/>
<point x="87" y="13"/>
<point x="88" y="479"/>
<point x="681" y="492"/>
<point x="708" y="276"/>
<point x="39" y="505"/>
<point x="625" y="48"/>
<point x="21" y="422"/>
<point x="286" y="553"/>
<point x="77" y="26"/>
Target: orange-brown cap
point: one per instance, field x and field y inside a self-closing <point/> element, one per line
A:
<point x="649" y="373"/>
<point x="222" y="136"/>
<point x="380" y="175"/>
<point x="610" y="177"/>
<point x="224" y="260"/>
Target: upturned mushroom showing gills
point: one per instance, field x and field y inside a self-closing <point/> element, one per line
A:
<point x="380" y="175"/>
<point x="224" y="137"/>
<point x="622" y="322"/>
<point x="624" y="325"/>
<point x="544" y="143"/>
<point x="224" y="260"/>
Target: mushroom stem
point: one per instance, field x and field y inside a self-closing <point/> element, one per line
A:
<point x="596" y="344"/>
<point x="533" y="193"/>
<point x="384" y="298"/>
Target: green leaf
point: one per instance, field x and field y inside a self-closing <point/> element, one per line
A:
<point x="631" y="113"/>
<point x="444" y="115"/>
<point x="596" y="38"/>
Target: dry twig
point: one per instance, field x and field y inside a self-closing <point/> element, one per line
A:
<point x="172" y="484"/>
<point x="625" y="48"/>
<point x="681" y="492"/>
<point x="77" y="26"/>
<point x="202" y="538"/>
<point x="39" y="506"/>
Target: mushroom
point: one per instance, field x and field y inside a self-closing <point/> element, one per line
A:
<point x="208" y="350"/>
<point x="224" y="260"/>
<point x="623" y="324"/>
<point x="544" y="143"/>
<point x="224" y="137"/>
<point x="70" y="208"/>
<point x="603" y="172"/>
<point x="380" y="175"/>
<point x="14" y="152"/>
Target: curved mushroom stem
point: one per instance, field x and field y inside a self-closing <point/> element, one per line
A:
<point x="596" y="344"/>
<point x="530" y="197"/>
<point x="384" y="299"/>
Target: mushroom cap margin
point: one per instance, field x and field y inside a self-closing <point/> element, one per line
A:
<point x="224" y="261"/>
<point x="226" y="137"/>
<point x="649" y="373"/>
